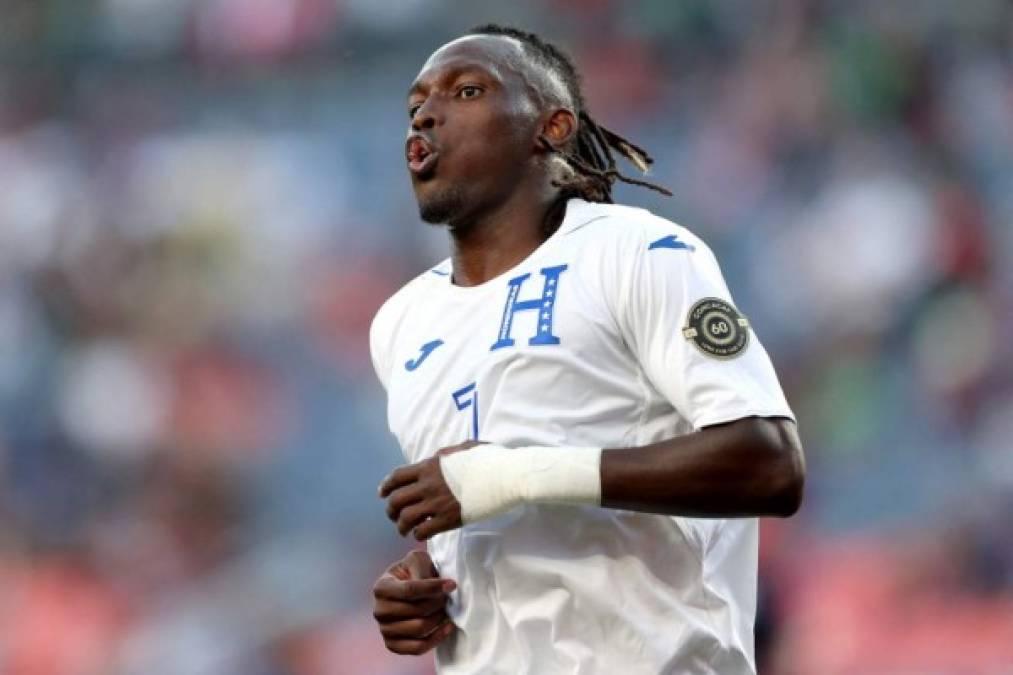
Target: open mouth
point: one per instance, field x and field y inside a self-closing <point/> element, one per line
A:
<point x="421" y="157"/>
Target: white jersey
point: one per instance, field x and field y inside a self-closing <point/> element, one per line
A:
<point x="618" y="331"/>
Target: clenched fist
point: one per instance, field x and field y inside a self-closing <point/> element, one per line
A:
<point x="418" y="497"/>
<point x="409" y="604"/>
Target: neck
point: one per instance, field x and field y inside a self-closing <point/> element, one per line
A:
<point x="496" y="240"/>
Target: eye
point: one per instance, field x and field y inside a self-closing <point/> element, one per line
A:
<point x="413" y="109"/>
<point x="469" y="91"/>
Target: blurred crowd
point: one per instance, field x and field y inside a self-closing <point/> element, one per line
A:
<point x="203" y="202"/>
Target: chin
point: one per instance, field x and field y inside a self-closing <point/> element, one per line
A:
<point x="439" y="206"/>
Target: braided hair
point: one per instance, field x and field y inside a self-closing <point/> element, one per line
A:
<point x="589" y="163"/>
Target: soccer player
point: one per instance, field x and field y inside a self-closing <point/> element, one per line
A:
<point x="622" y="426"/>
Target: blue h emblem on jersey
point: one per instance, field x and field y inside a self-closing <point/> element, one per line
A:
<point x="543" y="305"/>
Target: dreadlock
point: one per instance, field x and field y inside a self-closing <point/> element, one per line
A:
<point x="590" y="159"/>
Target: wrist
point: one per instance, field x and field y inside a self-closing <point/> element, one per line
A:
<point x="489" y="479"/>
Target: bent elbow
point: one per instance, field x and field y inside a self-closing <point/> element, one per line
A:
<point x="791" y="486"/>
<point x="786" y="468"/>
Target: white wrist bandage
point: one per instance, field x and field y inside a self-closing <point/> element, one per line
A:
<point x="489" y="479"/>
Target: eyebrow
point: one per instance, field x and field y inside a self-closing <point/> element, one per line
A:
<point x="456" y="71"/>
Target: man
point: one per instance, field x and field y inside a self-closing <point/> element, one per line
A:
<point x="623" y="427"/>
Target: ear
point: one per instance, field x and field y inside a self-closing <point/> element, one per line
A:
<point x="559" y="127"/>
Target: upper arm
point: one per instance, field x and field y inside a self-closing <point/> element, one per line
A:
<point x="697" y="349"/>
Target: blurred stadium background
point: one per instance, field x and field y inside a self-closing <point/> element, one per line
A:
<point x="202" y="203"/>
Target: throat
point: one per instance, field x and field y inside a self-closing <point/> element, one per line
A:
<point x="487" y="248"/>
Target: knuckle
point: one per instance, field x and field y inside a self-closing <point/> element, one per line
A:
<point x="391" y="633"/>
<point x="435" y="608"/>
<point x="411" y="515"/>
<point x="415" y="628"/>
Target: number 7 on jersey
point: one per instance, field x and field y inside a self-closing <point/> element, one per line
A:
<point x="467" y="397"/>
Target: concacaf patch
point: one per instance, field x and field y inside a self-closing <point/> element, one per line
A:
<point x="717" y="328"/>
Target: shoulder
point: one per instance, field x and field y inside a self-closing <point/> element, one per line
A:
<point x="392" y="313"/>
<point x="621" y="230"/>
<point x="394" y="308"/>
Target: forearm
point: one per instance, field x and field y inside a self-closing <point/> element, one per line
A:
<point x="750" y="467"/>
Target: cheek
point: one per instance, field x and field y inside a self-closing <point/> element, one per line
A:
<point x="495" y="144"/>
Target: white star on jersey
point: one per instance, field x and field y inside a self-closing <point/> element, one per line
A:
<point x="581" y="344"/>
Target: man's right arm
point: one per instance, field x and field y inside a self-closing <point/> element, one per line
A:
<point x="409" y="605"/>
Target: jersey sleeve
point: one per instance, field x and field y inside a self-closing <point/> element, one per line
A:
<point x="676" y="314"/>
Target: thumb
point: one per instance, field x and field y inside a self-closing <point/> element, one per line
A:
<point x="419" y="565"/>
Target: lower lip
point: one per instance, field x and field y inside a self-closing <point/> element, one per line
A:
<point x="422" y="167"/>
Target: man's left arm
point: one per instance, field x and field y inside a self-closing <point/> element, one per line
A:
<point x="675" y="312"/>
<point x="748" y="467"/>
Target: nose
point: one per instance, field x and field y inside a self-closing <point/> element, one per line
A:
<point x="425" y="116"/>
